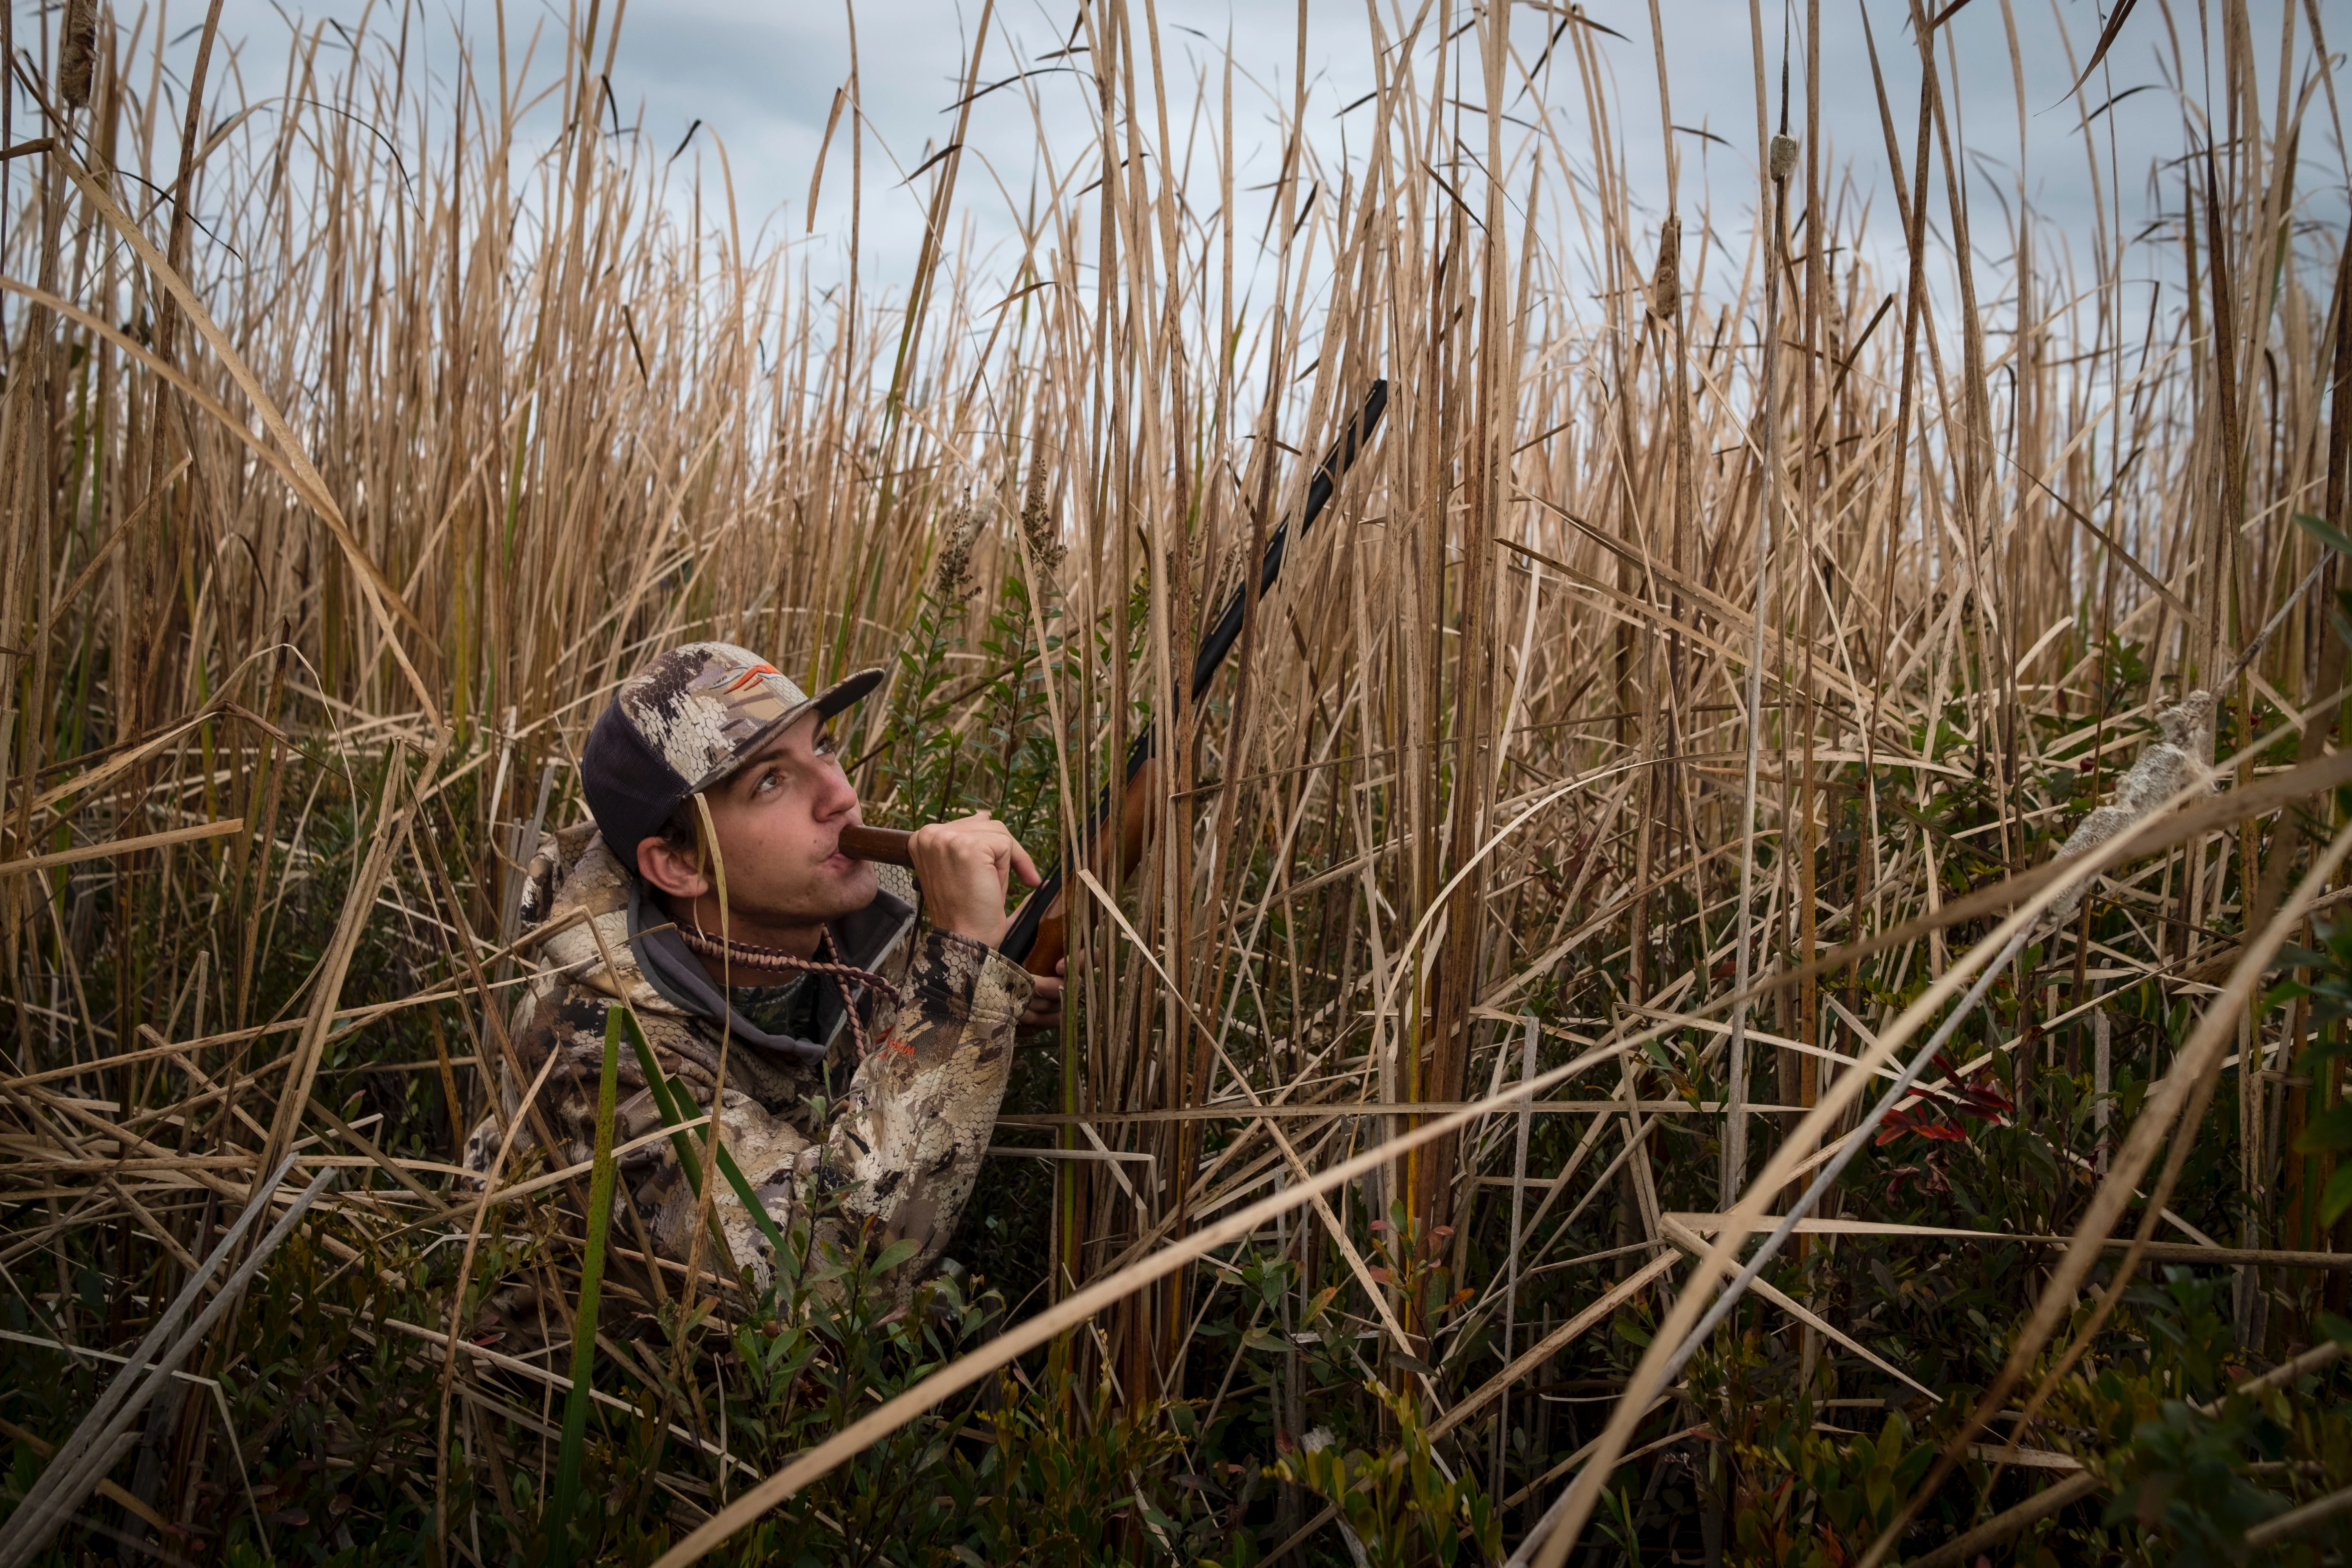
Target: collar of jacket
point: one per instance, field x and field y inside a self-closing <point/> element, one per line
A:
<point x="864" y="938"/>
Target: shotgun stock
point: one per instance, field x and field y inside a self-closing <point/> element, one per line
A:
<point x="1050" y="926"/>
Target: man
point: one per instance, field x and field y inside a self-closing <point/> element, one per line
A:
<point x="853" y="1025"/>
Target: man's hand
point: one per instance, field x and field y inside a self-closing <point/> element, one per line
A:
<point x="1045" y="1009"/>
<point x="965" y="865"/>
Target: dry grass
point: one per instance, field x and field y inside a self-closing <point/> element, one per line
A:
<point x="1634" y="662"/>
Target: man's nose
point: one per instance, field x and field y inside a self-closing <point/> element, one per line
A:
<point x="837" y="797"/>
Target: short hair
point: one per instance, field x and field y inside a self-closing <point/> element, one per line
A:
<point x="683" y="832"/>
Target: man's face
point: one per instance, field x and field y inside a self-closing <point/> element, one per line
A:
<point x="779" y="820"/>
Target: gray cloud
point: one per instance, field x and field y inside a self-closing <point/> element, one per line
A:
<point x="760" y="79"/>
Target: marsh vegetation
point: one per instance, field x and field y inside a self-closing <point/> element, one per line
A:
<point x="1671" y="711"/>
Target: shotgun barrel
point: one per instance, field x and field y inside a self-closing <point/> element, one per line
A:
<point x="1039" y="927"/>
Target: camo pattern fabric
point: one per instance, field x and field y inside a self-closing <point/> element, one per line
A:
<point x="703" y="705"/>
<point x="903" y="1130"/>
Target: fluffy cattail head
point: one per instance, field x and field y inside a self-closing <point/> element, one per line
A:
<point x="2180" y="759"/>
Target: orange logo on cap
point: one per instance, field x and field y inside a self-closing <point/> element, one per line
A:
<point x="751" y="675"/>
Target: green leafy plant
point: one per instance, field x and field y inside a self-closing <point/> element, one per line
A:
<point x="1400" y="1505"/>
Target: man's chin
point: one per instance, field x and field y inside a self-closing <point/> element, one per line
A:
<point x="851" y="884"/>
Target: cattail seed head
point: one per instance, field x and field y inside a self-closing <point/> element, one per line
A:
<point x="78" y="51"/>
<point x="1784" y="157"/>
<point x="1666" y="282"/>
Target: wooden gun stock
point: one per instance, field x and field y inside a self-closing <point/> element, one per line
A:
<point x="1139" y="811"/>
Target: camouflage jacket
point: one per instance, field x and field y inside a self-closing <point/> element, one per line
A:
<point x="897" y="1136"/>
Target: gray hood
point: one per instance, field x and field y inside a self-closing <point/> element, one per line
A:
<point x="867" y="939"/>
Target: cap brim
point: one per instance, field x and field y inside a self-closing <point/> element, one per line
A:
<point x="824" y="704"/>
<point x="846" y="690"/>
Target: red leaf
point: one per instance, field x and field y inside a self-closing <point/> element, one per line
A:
<point x="1899" y="1123"/>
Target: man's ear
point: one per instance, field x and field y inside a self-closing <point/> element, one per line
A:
<point x="672" y="871"/>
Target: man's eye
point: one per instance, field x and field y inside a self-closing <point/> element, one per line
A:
<point x="825" y="744"/>
<point x="768" y="782"/>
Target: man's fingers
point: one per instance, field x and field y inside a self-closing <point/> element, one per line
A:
<point x="1002" y="848"/>
<point x="1044" y="1010"/>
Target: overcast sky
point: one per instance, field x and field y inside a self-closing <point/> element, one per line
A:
<point x="756" y="79"/>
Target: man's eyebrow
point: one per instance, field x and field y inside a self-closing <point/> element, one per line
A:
<point x="743" y="775"/>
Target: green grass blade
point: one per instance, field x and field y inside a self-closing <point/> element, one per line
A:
<point x="563" y="1501"/>
<point x="666" y="1099"/>
<point x="673" y="1115"/>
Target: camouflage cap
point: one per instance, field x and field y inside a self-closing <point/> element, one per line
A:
<point x="682" y="724"/>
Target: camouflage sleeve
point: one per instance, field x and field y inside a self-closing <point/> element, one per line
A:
<point x="918" y="1112"/>
<point x="902" y="1148"/>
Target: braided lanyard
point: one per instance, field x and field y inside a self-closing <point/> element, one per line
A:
<point x="841" y="975"/>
